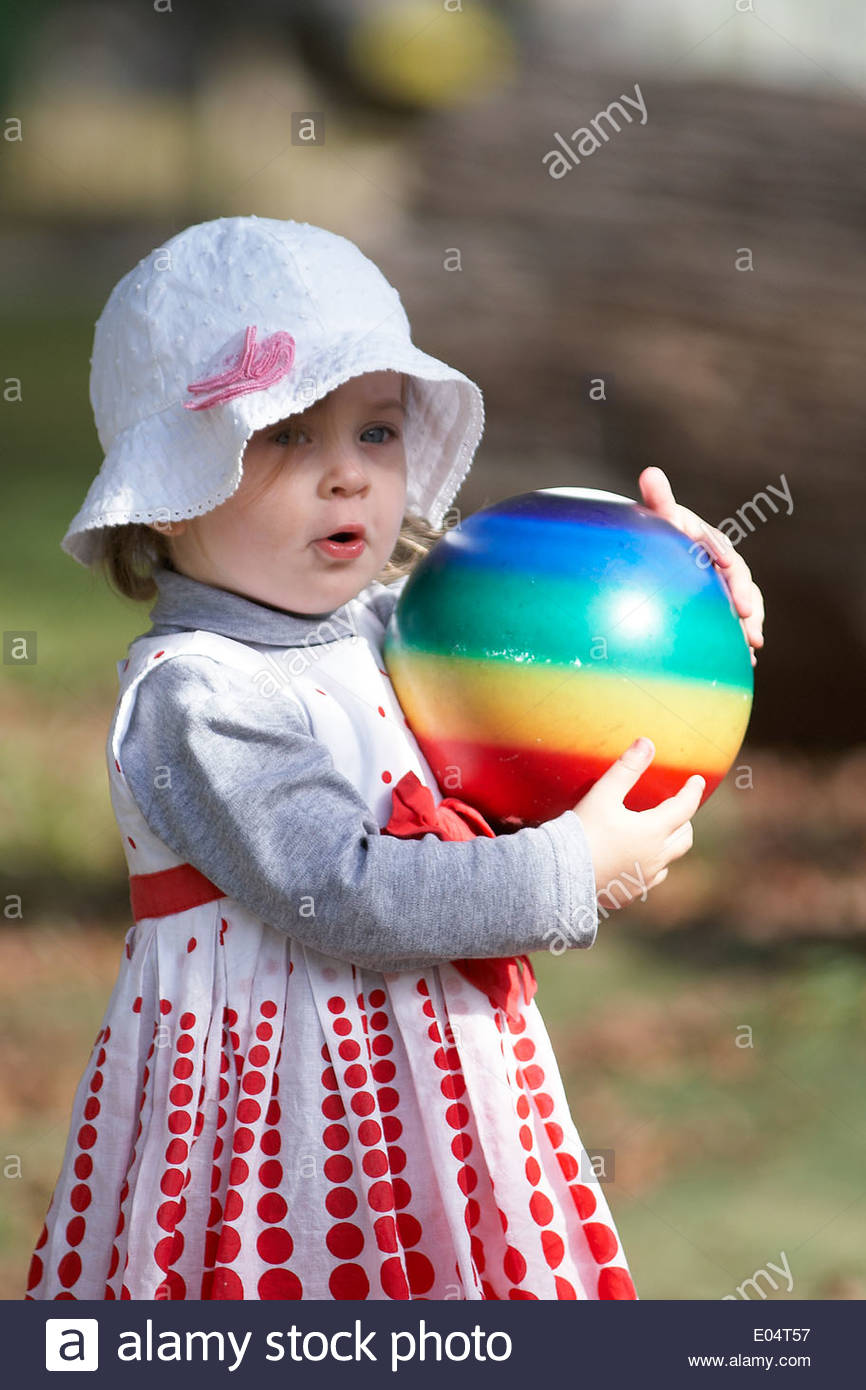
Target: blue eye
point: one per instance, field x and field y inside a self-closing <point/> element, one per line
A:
<point x="284" y="437"/>
<point x="373" y="428"/>
<point x="289" y="433"/>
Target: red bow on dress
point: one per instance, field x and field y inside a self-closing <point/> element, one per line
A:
<point x="414" y="813"/>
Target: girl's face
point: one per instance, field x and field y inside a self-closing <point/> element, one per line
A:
<point x="341" y="463"/>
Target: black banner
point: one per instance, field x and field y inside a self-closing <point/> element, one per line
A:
<point x="254" y="1344"/>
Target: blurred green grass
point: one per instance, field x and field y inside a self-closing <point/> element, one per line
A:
<point x="52" y="454"/>
<point x="725" y="1157"/>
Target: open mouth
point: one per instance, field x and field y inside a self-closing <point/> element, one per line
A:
<point x="346" y="544"/>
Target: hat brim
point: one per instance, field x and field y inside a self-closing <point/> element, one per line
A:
<point x="143" y="480"/>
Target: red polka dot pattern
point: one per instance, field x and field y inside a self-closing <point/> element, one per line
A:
<point x="363" y="1074"/>
<point x="344" y="1239"/>
<point x="217" y="1109"/>
<point x="615" y="1282"/>
<point x="452" y="1083"/>
<point x="68" y="1266"/>
<point x="600" y="1238"/>
<point x="243" y="1185"/>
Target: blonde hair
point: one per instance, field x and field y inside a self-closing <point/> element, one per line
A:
<point x="130" y="553"/>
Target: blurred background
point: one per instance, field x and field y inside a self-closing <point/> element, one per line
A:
<point x="706" y="265"/>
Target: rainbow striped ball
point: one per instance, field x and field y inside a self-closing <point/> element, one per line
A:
<point x="543" y="634"/>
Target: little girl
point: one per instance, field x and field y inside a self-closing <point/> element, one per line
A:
<point x="321" y="1072"/>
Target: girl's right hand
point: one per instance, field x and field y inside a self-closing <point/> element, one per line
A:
<point x="635" y="847"/>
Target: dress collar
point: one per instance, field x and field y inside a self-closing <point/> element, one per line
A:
<point x="186" y="604"/>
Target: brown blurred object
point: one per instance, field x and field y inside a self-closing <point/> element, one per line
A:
<point x="626" y="269"/>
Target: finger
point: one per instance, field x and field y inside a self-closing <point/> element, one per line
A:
<point x="752" y="639"/>
<point x="755" y="622"/>
<point x="679" y="843"/>
<point x="681" y="806"/>
<point x="736" y="574"/>
<point x="719" y="544"/>
<point x="733" y="568"/>
<point x="658" y="495"/>
<point x="694" y="526"/>
<point x="621" y="776"/>
<point x="745" y="594"/>
<point x="659" y="878"/>
<point x="657" y="492"/>
<point x="759" y="603"/>
<point x="739" y="580"/>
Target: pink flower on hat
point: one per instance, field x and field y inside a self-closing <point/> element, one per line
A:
<point x="256" y="367"/>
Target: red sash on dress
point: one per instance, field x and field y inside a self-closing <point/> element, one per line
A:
<point x="414" y="814"/>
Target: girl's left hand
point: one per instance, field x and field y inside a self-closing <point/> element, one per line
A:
<point x="746" y="596"/>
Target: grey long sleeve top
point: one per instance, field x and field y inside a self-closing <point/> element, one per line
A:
<point x="256" y="803"/>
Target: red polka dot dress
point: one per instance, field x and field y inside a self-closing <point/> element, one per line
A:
<point x="259" y="1120"/>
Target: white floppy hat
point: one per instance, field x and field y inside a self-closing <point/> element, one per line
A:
<point x="233" y="325"/>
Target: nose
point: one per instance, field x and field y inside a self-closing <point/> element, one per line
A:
<point x="345" y="472"/>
